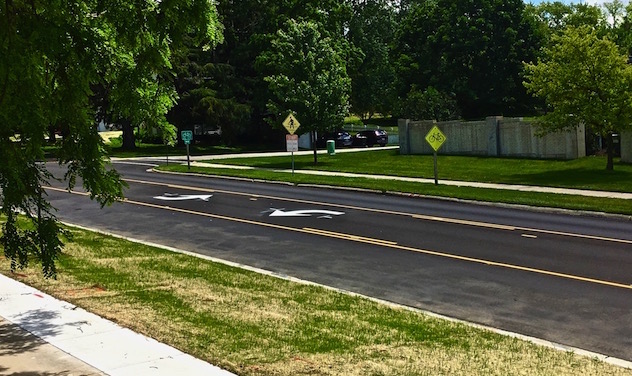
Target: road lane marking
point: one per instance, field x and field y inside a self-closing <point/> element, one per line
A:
<point x="303" y="213"/>
<point x="378" y="242"/>
<point x="344" y="236"/>
<point x="463" y="222"/>
<point x="177" y="197"/>
<point x="529" y="236"/>
<point x="65" y="190"/>
<point x="391" y="212"/>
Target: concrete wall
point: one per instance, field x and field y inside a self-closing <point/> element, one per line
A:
<point x="494" y="136"/>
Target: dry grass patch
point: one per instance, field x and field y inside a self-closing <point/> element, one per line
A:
<point x="259" y="325"/>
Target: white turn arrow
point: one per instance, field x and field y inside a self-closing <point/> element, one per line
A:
<point x="176" y="197"/>
<point x="302" y="213"/>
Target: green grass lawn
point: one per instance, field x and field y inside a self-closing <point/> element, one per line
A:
<point x="255" y="324"/>
<point x="585" y="173"/>
<point x="156" y="150"/>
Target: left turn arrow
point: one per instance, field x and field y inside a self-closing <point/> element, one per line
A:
<point x="177" y="197"/>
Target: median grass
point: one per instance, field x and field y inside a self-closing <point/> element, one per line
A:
<point x="254" y="324"/>
<point x="586" y="173"/>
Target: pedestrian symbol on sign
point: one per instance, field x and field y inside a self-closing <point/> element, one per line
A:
<point x="291" y="124"/>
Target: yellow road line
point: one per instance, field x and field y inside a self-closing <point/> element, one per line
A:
<point x="68" y="191"/>
<point x="463" y="222"/>
<point x="378" y="242"/>
<point x="338" y="235"/>
<point x="381" y="211"/>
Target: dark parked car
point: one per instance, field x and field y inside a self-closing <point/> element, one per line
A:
<point x="341" y="138"/>
<point x="370" y="138"/>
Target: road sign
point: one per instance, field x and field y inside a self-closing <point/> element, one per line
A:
<point x="291" y="140"/>
<point x="291" y="124"/>
<point x="187" y="136"/>
<point x="435" y="138"/>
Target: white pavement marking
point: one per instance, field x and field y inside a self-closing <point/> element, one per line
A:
<point x="303" y="213"/>
<point x="102" y="344"/>
<point x="177" y="197"/>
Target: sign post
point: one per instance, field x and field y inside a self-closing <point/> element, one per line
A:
<point x="187" y="136"/>
<point x="291" y="140"/>
<point x="435" y="139"/>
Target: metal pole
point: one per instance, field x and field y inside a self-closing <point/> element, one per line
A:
<point x="435" y="169"/>
<point x="188" y="159"/>
<point x="292" y="163"/>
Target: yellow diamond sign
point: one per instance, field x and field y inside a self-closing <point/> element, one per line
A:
<point x="291" y="124"/>
<point x="435" y="138"/>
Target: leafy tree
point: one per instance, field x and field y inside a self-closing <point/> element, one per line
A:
<point x="615" y="11"/>
<point x="372" y="32"/>
<point x="472" y="49"/>
<point x="429" y="104"/>
<point x="210" y="94"/>
<point x="554" y="17"/>
<point x="624" y="31"/>
<point x="142" y="90"/>
<point x="307" y="77"/>
<point x="414" y="59"/>
<point x="250" y="28"/>
<point x="60" y="61"/>
<point x="584" y="79"/>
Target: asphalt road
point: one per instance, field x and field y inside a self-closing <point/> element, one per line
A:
<point x="560" y="277"/>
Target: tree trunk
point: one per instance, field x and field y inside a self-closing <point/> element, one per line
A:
<point x="129" y="142"/>
<point x="51" y="134"/>
<point x="610" y="151"/>
<point x="313" y="136"/>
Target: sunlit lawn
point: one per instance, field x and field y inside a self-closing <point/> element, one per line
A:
<point x="255" y="324"/>
<point x="586" y="173"/>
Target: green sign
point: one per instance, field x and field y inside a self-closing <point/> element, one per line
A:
<point x="187" y="136"/>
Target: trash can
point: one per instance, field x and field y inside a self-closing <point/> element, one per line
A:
<point x="331" y="147"/>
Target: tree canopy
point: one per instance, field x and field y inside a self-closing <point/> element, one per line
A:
<point x="307" y="76"/>
<point x="371" y="32"/>
<point x="470" y="49"/>
<point x="61" y="63"/>
<point x="583" y="79"/>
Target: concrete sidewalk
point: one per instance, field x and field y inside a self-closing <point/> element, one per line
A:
<point x="41" y="335"/>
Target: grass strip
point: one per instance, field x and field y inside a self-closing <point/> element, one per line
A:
<point x="571" y="202"/>
<point x="253" y="324"/>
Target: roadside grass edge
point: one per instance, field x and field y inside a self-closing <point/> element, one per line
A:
<point x="536" y="341"/>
